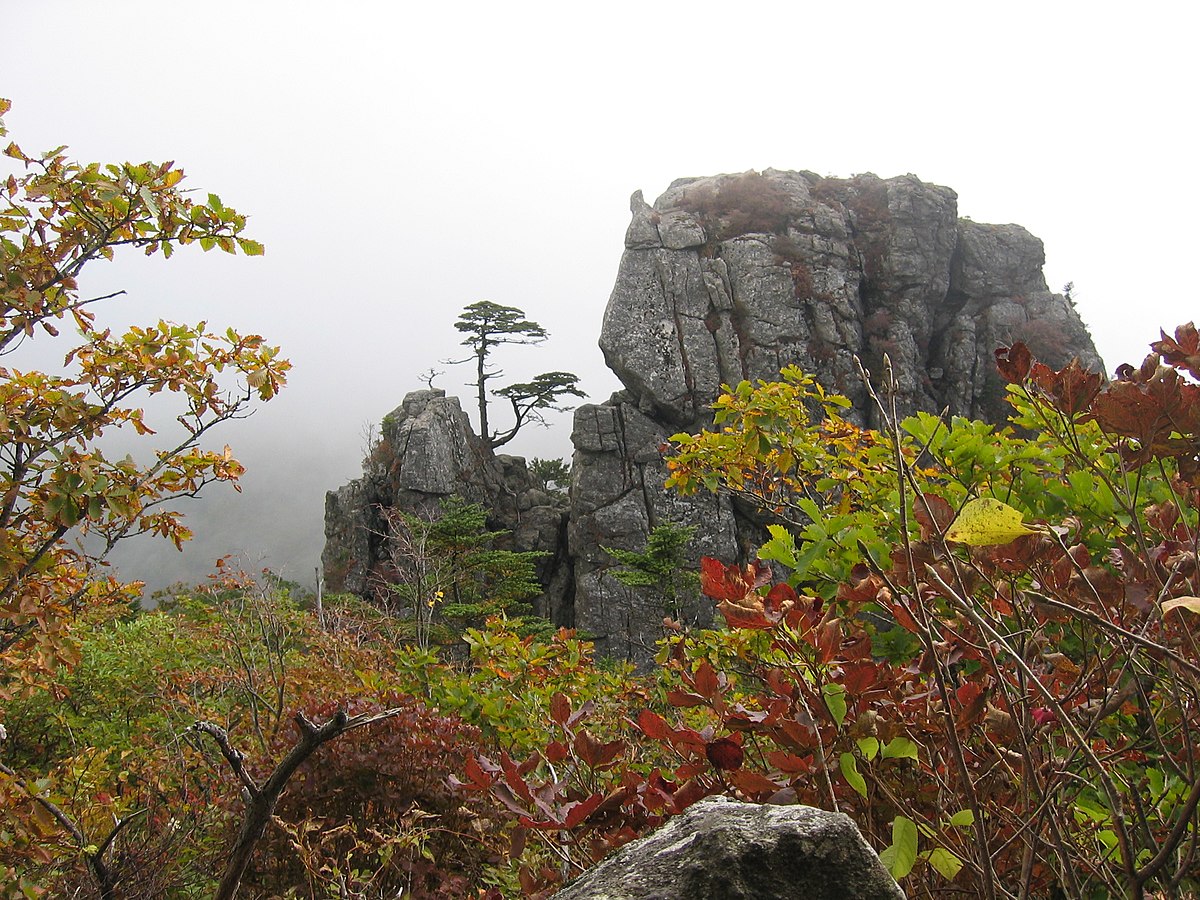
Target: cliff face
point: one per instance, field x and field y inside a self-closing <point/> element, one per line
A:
<point x="733" y="277"/>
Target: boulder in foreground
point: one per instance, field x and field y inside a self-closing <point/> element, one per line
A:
<point x="740" y="851"/>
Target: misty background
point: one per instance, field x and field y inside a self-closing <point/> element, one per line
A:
<point x="401" y="162"/>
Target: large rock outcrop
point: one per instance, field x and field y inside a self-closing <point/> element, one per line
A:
<point x="724" y="279"/>
<point x="740" y="851"/>
<point x="426" y="452"/>
<point x="733" y="277"/>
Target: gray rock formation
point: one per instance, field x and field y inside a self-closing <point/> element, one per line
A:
<point x="617" y="496"/>
<point x="427" y="451"/>
<point x="740" y="851"/>
<point x="724" y="279"/>
<point x="733" y="277"/>
<point x="736" y="276"/>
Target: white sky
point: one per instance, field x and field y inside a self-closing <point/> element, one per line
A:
<point x="400" y="163"/>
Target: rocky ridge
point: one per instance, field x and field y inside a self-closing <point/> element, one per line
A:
<point x="728" y="278"/>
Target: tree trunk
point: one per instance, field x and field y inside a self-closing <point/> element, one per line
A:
<point x="260" y="802"/>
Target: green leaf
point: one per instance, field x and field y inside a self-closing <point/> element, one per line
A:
<point x="850" y="772"/>
<point x="835" y="701"/>
<point x="251" y="248"/>
<point x="987" y="521"/>
<point x="1112" y="847"/>
<point x="1087" y="809"/>
<point x="900" y="748"/>
<point x="868" y="747"/>
<point x="961" y="818"/>
<point x="901" y="856"/>
<point x="945" y="862"/>
<point x="215" y="202"/>
<point x="781" y="548"/>
<point x="148" y="198"/>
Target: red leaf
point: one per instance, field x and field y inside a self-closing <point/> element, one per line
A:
<point x="1181" y="352"/>
<point x="705" y="680"/>
<point x="781" y="681"/>
<point x="1071" y="389"/>
<point x="1128" y="408"/>
<point x="742" y="719"/>
<point x="753" y="785"/>
<point x="556" y="751"/>
<point x="724" y="753"/>
<point x="653" y="725"/>
<point x="796" y="734"/>
<point x="659" y="783"/>
<point x="560" y="708"/>
<point x="780" y="600"/>
<point x="690" y="792"/>
<point x="682" y="699"/>
<point x="786" y="797"/>
<point x="747" y="613"/>
<point x="972" y="698"/>
<point x="860" y="677"/>
<point x="528" y="765"/>
<point x="516" y="842"/>
<point x="789" y="762"/>
<point x="584" y="710"/>
<point x="689" y="738"/>
<point x="828" y="639"/>
<point x="595" y="753"/>
<point x="1042" y="715"/>
<point x="502" y="793"/>
<point x="934" y="515"/>
<point x="903" y="619"/>
<point x="478" y="777"/>
<point x="515" y="779"/>
<point x="722" y="582"/>
<point x="1013" y="362"/>
<point x="577" y="812"/>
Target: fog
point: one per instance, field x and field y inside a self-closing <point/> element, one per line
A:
<point x="401" y="163"/>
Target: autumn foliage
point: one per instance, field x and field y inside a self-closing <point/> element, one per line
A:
<point x="978" y="641"/>
<point x="56" y="217"/>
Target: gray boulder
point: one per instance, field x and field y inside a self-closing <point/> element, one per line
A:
<point x="739" y="851"/>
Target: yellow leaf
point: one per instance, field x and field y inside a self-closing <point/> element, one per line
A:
<point x="986" y="521"/>
<point x="1192" y="604"/>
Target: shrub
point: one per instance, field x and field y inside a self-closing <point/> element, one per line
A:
<point x="372" y="811"/>
<point x="1003" y="707"/>
<point x="739" y="204"/>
